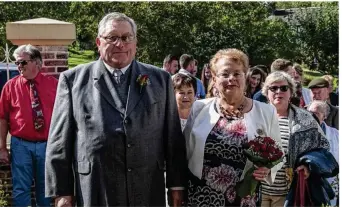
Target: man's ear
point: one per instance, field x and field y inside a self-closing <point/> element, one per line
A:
<point x="167" y="66"/>
<point x="98" y="41"/>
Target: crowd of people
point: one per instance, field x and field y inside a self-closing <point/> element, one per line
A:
<point x="302" y="124"/>
<point x="109" y="130"/>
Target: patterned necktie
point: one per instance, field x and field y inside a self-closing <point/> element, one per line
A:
<point x="117" y="76"/>
<point x="38" y="118"/>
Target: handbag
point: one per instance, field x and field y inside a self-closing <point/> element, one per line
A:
<point x="302" y="194"/>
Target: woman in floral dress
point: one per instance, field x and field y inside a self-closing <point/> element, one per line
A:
<point x="216" y="132"/>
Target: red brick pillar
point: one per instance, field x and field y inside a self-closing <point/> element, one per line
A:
<point x="55" y="59"/>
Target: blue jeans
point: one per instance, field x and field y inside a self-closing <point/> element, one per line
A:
<point x="28" y="164"/>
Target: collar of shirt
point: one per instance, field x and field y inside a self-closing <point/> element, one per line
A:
<point x="111" y="69"/>
<point x="37" y="79"/>
<point x="184" y="71"/>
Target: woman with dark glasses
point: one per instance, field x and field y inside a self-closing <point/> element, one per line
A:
<point x="299" y="133"/>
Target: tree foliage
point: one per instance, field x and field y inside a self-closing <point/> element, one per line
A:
<point x="202" y="28"/>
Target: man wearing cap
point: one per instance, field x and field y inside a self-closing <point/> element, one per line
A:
<point x="320" y="91"/>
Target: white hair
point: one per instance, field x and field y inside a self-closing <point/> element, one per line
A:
<point x="322" y="106"/>
<point x="30" y="50"/>
<point x="116" y="16"/>
<point x="276" y="77"/>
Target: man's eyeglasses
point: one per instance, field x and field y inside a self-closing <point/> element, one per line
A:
<point x="275" y="88"/>
<point x="114" y="39"/>
<point x="22" y="62"/>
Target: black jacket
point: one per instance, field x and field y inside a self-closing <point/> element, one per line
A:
<point x="332" y="119"/>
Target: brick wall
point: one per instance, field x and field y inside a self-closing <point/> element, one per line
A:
<point x="55" y="61"/>
<point x="6" y="182"/>
<point x="7" y="187"/>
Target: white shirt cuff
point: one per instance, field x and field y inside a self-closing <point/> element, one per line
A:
<point x="177" y="188"/>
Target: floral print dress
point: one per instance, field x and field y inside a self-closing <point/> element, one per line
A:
<point x="223" y="165"/>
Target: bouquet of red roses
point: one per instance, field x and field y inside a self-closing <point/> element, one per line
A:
<point x="262" y="152"/>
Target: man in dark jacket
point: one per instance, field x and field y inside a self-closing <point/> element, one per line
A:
<point x="114" y="125"/>
<point x="320" y="91"/>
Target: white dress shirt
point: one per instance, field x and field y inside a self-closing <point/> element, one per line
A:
<point x="111" y="69"/>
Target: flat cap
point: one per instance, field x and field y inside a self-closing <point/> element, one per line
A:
<point x="318" y="83"/>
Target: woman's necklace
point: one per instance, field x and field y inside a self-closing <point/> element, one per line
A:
<point x="234" y="113"/>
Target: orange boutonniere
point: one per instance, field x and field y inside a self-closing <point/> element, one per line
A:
<point x="143" y="80"/>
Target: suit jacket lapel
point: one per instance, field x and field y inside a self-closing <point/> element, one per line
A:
<point x="135" y="92"/>
<point x="104" y="84"/>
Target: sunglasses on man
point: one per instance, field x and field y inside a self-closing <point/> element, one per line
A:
<point x="275" y="88"/>
<point x="22" y="62"/>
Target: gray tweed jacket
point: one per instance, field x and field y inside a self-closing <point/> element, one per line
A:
<point x="106" y="155"/>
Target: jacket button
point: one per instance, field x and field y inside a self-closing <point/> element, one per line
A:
<point x="128" y="145"/>
<point x="126" y="121"/>
<point x="129" y="169"/>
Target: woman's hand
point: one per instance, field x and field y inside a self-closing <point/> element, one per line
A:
<point x="63" y="201"/>
<point x="176" y="198"/>
<point x="306" y="171"/>
<point x="261" y="173"/>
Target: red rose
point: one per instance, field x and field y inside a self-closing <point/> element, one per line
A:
<point x="271" y="157"/>
<point x="278" y="155"/>
<point x="263" y="147"/>
<point x="264" y="155"/>
<point x="271" y="149"/>
<point x="269" y="140"/>
<point x="251" y="143"/>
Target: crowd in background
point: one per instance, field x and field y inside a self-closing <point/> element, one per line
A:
<point x="280" y="86"/>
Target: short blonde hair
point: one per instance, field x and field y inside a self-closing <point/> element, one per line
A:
<point x="276" y="77"/>
<point x="233" y="54"/>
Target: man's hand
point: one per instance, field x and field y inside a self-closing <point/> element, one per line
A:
<point x="4" y="156"/>
<point x="177" y="198"/>
<point x="63" y="201"/>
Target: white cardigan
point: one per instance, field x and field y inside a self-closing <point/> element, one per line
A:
<point x="332" y="137"/>
<point x="261" y="119"/>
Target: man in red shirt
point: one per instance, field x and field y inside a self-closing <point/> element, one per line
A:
<point x="26" y="106"/>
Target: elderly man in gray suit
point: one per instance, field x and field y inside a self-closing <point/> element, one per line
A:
<point x="114" y="125"/>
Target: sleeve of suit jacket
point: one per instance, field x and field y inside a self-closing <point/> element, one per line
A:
<point x="175" y="143"/>
<point x="59" y="177"/>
